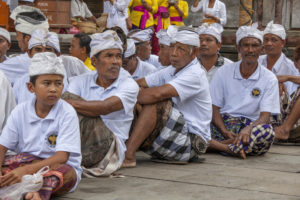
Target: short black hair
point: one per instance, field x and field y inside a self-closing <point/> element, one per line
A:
<point x="32" y="79"/>
<point x="84" y="41"/>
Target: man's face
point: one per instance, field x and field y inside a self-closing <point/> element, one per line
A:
<point x="75" y="49"/>
<point x="4" y="46"/>
<point x="22" y="41"/>
<point x="249" y="49"/>
<point x="130" y="63"/>
<point x="208" y="46"/>
<point x="40" y="49"/>
<point x="108" y="63"/>
<point x="181" y="55"/>
<point x="144" y="50"/>
<point x="273" y="44"/>
<point x="47" y="88"/>
<point x="164" y="55"/>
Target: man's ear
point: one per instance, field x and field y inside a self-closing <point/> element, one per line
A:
<point x="29" y="53"/>
<point x="94" y="60"/>
<point x="238" y="48"/>
<point x="30" y="87"/>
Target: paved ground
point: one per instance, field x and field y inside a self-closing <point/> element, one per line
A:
<point x="273" y="176"/>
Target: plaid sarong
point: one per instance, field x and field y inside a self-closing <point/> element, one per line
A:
<point x="174" y="142"/>
<point x="58" y="181"/>
<point x="286" y="106"/>
<point x="96" y="138"/>
<point x="261" y="137"/>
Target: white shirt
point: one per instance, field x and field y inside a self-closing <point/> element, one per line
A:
<point x="26" y="132"/>
<point x="153" y="60"/>
<point x="143" y="69"/>
<point x="241" y="97"/>
<point x="7" y="100"/>
<point x="214" y="69"/>
<point x="73" y="66"/>
<point x="219" y="10"/>
<point x="124" y="87"/>
<point x="79" y="8"/>
<point x="194" y="100"/>
<point x="15" y="67"/>
<point x="283" y="66"/>
<point x="117" y="14"/>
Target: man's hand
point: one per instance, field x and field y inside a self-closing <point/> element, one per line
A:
<point x="228" y="134"/>
<point x="209" y="16"/>
<point x="282" y="89"/>
<point x="13" y="177"/>
<point x="244" y="136"/>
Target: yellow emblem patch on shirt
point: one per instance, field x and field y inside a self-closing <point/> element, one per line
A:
<point x="52" y="140"/>
<point x="255" y="92"/>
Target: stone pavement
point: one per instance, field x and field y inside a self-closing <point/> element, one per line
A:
<point x="275" y="175"/>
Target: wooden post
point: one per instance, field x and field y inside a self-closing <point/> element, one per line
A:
<point x="246" y="12"/>
<point x="278" y="11"/>
<point x="259" y="13"/>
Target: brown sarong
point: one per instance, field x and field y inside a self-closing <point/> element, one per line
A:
<point x="96" y="138"/>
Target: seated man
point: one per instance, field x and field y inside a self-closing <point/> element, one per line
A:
<point x="44" y="132"/>
<point x="288" y="76"/>
<point x="244" y="94"/>
<point x="80" y="48"/>
<point x="142" y="40"/>
<point x="275" y="60"/>
<point x="164" y="45"/>
<point x="44" y="41"/>
<point x="26" y="19"/>
<point x="210" y="45"/>
<point x="186" y="132"/>
<point x="107" y="99"/>
<point x="137" y="68"/>
<point x="7" y="100"/>
<point x="4" y="44"/>
<point x="80" y="10"/>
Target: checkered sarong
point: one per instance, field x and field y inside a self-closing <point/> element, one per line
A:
<point x="286" y="106"/>
<point x="174" y="142"/>
<point x="261" y="137"/>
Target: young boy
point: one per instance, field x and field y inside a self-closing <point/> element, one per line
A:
<point x="44" y="132"/>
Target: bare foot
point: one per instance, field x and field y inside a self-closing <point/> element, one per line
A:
<point x="281" y="133"/>
<point x="242" y="154"/>
<point x="128" y="163"/>
<point x="33" y="196"/>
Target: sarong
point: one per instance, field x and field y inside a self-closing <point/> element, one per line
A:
<point x="58" y="181"/>
<point x="174" y="142"/>
<point x="286" y="106"/>
<point x="261" y="137"/>
<point x="99" y="146"/>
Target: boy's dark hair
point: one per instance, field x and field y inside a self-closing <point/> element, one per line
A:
<point x="297" y="53"/>
<point x="84" y="41"/>
<point x="32" y="79"/>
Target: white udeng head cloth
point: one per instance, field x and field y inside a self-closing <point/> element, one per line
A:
<point x="103" y="41"/>
<point x="141" y="36"/>
<point x="276" y="29"/>
<point x="46" y="63"/>
<point x="163" y="37"/>
<point x="24" y="20"/>
<point x="248" y="31"/>
<point x="44" y="38"/>
<point x="184" y="35"/>
<point x="4" y="33"/>
<point x="130" y="48"/>
<point x="210" y="30"/>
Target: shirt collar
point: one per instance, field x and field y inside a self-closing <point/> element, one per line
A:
<point x="113" y="85"/>
<point x="193" y="62"/>
<point x="51" y="115"/>
<point x="238" y="75"/>
<point x="277" y="65"/>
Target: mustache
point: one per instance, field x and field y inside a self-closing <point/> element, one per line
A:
<point x="112" y="67"/>
<point x="250" y="54"/>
